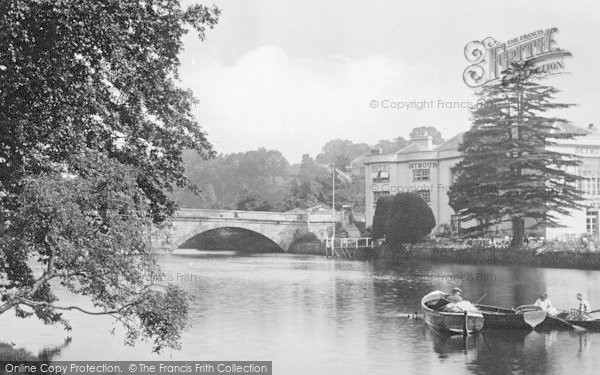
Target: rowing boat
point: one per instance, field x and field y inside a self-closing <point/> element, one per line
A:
<point x="523" y="317"/>
<point x="465" y="321"/>
<point x="527" y="317"/>
<point x="592" y="322"/>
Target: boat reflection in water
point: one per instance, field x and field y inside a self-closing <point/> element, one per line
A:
<point x="496" y="351"/>
<point x="446" y="344"/>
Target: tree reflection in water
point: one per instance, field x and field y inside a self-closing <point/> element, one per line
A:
<point x="8" y="352"/>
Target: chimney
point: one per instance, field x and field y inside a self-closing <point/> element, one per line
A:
<point x="422" y="138"/>
<point x="376" y="151"/>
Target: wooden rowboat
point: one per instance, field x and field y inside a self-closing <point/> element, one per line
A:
<point x="592" y="322"/>
<point x="454" y="322"/>
<point x="523" y="317"/>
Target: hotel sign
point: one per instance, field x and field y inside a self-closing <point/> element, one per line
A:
<point x="489" y="57"/>
<point x="380" y="167"/>
<point x="422" y="165"/>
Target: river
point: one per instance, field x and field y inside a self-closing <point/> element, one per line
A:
<point x="312" y="315"/>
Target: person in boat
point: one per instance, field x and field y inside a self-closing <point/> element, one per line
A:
<point x="545" y="304"/>
<point x="455" y="296"/>
<point x="456" y="303"/>
<point x="584" y="307"/>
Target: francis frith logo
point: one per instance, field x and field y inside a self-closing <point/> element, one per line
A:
<point x="489" y="57"/>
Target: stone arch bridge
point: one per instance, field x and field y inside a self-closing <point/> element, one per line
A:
<point x="279" y="227"/>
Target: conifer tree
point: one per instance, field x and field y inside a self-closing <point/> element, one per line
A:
<point x="509" y="171"/>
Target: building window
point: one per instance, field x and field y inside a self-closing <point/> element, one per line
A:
<point x="591" y="222"/>
<point x="425" y="194"/>
<point x="421" y="174"/>
<point x="381" y="176"/>
<point x="377" y="195"/>
<point x="589" y="185"/>
<point x="589" y="170"/>
<point x="454" y="223"/>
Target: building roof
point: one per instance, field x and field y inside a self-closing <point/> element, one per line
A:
<point x="451" y="144"/>
<point x="570" y="128"/>
<point x="413" y="147"/>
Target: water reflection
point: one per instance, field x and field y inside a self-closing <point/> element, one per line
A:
<point x="314" y="315"/>
<point x="445" y="344"/>
<point x="10" y="352"/>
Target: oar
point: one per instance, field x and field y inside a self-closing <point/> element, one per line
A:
<point x="571" y="325"/>
<point x="480" y="298"/>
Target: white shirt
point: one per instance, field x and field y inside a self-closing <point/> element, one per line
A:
<point x="545" y="305"/>
<point x="584" y="306"/>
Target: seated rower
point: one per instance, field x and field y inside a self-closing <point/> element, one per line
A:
<point x="545" y="305"/>
<point x="456" y="295"/>
<point x="457" y="303"/>
<point x="584" y="307"/>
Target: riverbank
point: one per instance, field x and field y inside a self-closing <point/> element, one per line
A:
<point x="534" y="257"/>
<point x="308" y="248"/>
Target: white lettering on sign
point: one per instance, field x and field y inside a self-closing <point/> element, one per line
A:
<point x="422" y="165"/>
<point x="380" y="167"/>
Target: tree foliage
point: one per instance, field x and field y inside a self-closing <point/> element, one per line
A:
<point x="262" y="172"/>
<point x="92" y="127"/>
<point x="336" y="148"/>
<point x="381" y="218"/>
<point x="251" y="201"/>
<point x="509" y="172"/>
<point x="410" y="219"/>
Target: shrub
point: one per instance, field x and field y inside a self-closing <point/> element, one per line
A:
<point x="410" y="219"/>
<point x="382" y="216"/>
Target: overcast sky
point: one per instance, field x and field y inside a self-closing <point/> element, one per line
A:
<point x="291" y="75"/>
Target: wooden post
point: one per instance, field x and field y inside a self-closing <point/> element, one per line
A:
<point x="465" y="325"/>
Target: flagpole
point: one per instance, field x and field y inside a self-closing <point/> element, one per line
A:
<point x="333" y="208"/>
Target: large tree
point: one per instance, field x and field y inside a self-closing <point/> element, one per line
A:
<point x="410" y="220"/>
<point x="92" y="126"/>
<point x="509" y="171"/>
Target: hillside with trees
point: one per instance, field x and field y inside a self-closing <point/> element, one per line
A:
<point x="264" y="180"/>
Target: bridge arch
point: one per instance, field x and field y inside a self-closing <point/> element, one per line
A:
<point x="281" y="235"/>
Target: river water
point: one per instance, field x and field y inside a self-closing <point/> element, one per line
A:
<point x="312" y="315"/>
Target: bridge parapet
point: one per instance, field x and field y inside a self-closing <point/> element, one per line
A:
<point x="200" y="214"/>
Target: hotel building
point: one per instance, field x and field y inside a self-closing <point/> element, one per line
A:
<point x="427" y="170"/>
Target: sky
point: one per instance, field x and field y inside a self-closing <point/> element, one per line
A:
<point x="292" y="75"/>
